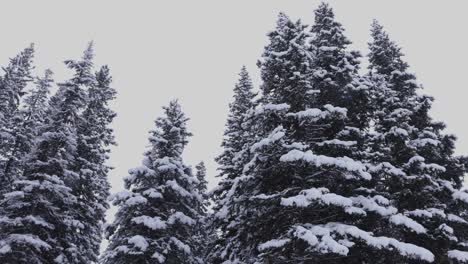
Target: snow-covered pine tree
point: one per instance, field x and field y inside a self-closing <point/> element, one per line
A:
<point x="204" y="235"/>
<point x="415" y="160"/>
<point x="158" y="213"/>
<point x="94" y="139"/>
<point x="234" y="135"/>
<point x="27" y="120"/>
<point x="39" y="224"/>
<point x="232" y="159"/>
<point x="12" y="85"/>
<point x="241" y="221"/>
<point x="335" y="80"/>
<point x="36" y="105"/>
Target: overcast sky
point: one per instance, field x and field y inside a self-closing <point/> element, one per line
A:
<point x="193" y="50"/>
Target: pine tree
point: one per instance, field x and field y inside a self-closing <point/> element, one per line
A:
<point x="284" y="64"/>
<point x="234" y="135"/>
<point x="414" y="159"/>
<point x="234" y="154"/>
<point x="335" y="80"/>
<point x="39" y="224"/>
<point x="12" y="85"/>
<point x="157" y="216"/>
<point x="27" y="120"/>
<point x="203" y="236"/>
<point x="94" y="139"/>
<point x="37" y="102"/>
<point x="17" y="75"/>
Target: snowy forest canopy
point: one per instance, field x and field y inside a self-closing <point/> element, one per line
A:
<point x="324" y="162"/>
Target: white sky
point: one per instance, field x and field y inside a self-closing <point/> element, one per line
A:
<point x="193" y="50"/>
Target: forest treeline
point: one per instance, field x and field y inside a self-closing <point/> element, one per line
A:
<point x="323" y="162"/>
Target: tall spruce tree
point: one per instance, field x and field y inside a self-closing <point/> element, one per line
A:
<point x="12" y="88"/>
<point x="158" y="213"/>
<point x="40" y="223"/>
<point x="36" y="104"/>
<point x="335" y="80"/>
<point x="240" y="223"/>
<point x="203" y="236"/>
<point x="94" y="139"/>
<point x="415" y="160"/>
<point x="27" y="120"/>
<point x="232" y="159"/>
<point x="234" y="135"/>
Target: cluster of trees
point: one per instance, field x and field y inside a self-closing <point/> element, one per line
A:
<point x="324" y="163"/>
<point x="53" y="153"/>
<point x="333" y="164"/>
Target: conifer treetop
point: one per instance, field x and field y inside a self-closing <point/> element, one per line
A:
<point x="84" y="67"/>
<point x="158" y="211"/>
<point x="327" y="31"/>
<point x="17" y="75"/>
<point x="171" y="134"/>
<point x="385" y="55"/>
<point x="286" y="62"/>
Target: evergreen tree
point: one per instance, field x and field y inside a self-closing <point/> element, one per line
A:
<point x="234" y="135"/>
<point x="287" y="61"/>
<point x="40" y="224"/>
<point x="36" y="103"/>
<point x="414" y="159"/>
<point x="285" y="65"/>
<point x="203" y="237"/>
<point x="234" y="154"/>
<point x="12" y="85"/>
<point x="27" y="120"/>
<point x="94" y="138"/>
<point x="335" y="80"/>
<point x="157" y="216"/>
